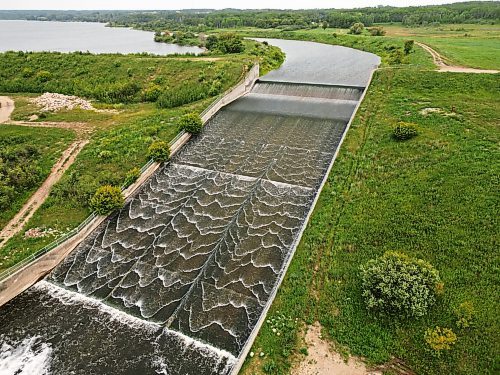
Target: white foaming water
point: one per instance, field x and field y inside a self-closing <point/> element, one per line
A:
<point x="69" y="297"/>
<point x="29" y="357"/>
<point x="206" y="348"/>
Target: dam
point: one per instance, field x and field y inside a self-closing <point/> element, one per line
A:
<point x="177" y="281"/>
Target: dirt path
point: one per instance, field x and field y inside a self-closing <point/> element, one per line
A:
<point x="6" y="108"/>
<point x="36" y="200"/>
<point x="445" y="65"/>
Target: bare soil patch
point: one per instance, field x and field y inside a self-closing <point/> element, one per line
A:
<point x="322" y="359"/>
<point x="6" y="108"/>
<point x="53" y="102"/>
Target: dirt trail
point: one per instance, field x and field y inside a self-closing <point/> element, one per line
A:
<point x="6" y="108"/>
<point x="444" y="65"/>
<point x="36" y="200"/>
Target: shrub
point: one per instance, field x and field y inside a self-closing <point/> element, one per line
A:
<point x="43" y="76"/>
<point x="408" y="47"/>
<point x="440" y="339"/>
<point x="356" y="28"/>
<point x="404" y="130"/>
<point x="159" y="151"/>
<point x="465" y="314"/>
<point x="107" y="199"/>
<point x="191" y="123"/>
<point x="377" y="31"/>
<point x="225" y="43"/>
<point x="396" y="284"/>
<point x="151" y="93"/>
<point x="132" y="176"/>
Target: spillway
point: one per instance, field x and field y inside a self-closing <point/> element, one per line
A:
<point x="177" y="280"/>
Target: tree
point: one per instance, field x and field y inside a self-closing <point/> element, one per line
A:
<point x="191" y="123"/>
<point x="356" y="28"/>
<point x="408" y="48"/>
<point x="107" y="199"/>
<point x="225" y="43"/>
<point x="324" y="25"/>
<point x="159" y="151"/>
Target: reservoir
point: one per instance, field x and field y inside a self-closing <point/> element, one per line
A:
<point x="93" y="37"/>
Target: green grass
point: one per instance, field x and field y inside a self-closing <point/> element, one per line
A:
<point x="472" y="45"/>
<point x="50" y="143"/>
<point x="433" y="197"/>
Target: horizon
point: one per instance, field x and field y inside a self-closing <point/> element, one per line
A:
<point x="152" y="5"/>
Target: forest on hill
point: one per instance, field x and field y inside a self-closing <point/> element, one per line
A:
<point x="201" y="19"/>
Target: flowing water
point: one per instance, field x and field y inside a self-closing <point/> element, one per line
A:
<point x="177" y="280"/>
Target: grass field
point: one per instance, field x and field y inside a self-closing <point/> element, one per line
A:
<point x="476" y="46"/>
<point x="50" y="144"/>
<point x="434" y="197"/>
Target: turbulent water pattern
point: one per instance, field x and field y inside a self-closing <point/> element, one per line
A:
<point x="177" y="280"/>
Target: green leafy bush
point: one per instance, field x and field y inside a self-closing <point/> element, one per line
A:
<point x="159" y="151"/>
<point x="404" y="130"/>
<point x="440" y="339"/>
<point x="107" y="199"/>
<point x="377" y="31"/>
<point x="356" y="28"/>
<point x="132" y="176"/>
<point x="191" y="123"/>
<point x="398" y="285"/>
<point x="465" y="314"/>
<point x="408" y="47"/>
<point x="225" y="43"/>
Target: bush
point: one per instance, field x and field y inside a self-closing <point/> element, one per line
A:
<point x="356" y="28"/>
<point x="132" y="176"/>
<point x="107" y="199"/>
<point x="377" y="31"/>
<point x="440" y="339"/>
<point x="404" y="130"/>
<point x="398" y="285"/>
<point x="465" y="314"/>
<point x="408" y="47"/>
<point x="191" y="123"/>
<point x="225" y="43"/>
<point x="159" y="151"/>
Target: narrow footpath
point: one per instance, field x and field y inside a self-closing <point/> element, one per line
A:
<point x="444" y="65"/>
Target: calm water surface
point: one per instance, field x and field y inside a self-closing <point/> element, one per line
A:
<point x="81" y="36"/>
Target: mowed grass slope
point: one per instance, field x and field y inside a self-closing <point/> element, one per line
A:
<point x="49" y="146"/>
<point x="434" y="197"/>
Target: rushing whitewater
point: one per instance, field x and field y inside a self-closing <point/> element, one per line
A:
<point x="176" y="281"/>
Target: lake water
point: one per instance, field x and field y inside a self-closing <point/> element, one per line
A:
<point x="81" y="36"/>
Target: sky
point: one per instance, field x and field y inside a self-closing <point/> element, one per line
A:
<point x="210" y="4"/>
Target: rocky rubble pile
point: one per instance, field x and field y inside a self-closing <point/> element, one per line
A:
<point x="55" y="102"/>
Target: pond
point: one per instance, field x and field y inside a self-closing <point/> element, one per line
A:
<point x="81" y="36"/>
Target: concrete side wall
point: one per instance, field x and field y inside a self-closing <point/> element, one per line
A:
<point x="237" y="92"/>
<point x="29" y="275"/>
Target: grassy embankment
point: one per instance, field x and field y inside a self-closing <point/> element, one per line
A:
<point x="24" y="166"/>
<point x="118" y="140"/>
<point x="433" y="197"/>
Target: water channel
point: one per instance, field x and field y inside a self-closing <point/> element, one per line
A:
<point x="176" y="281"/>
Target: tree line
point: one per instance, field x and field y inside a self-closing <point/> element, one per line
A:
<point x="201" y="19"/>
